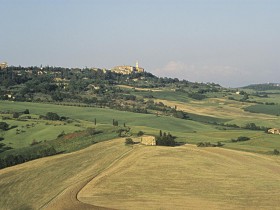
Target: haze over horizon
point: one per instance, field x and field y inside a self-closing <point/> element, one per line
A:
<point x="233" y="43"/>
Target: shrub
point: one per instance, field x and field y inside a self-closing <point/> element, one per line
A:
<point x="252" y="126"/>
<point x="129" y="141"/>
<point x="140" y="133"/>
<point x="241" y="138"/>
<point x="204" y="144"/>
<point x="61" y="134"/>
<point x="219" y="144"/>
<point x="276" y="152"/>
<point x="180" y="114"/>
<point x="93" y="131"/>
<point x="3" y="147"/>
<point x="16" y="115"/>
<point x="4" y="126"/>
<point x="52" y="116"/>
<point x="26" y="111"/>
<point x="197" y="96"/>
<point x="34" y="142"/>
<point x="209" y="144"/>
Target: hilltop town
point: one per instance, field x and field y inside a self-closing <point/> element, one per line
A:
<point x="128" y="69"/>
<point x="124" y="69"/>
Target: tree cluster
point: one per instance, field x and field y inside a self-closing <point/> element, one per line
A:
<point x="241" y="138"/>
<point x="4" y="126"/>
<point x="165" y="139"/>
<point x="209" y="144"/>
<point x="26" y="154"/>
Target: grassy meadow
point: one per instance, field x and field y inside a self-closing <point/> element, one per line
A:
<point x="40" y="130"/>
<point x="266" y="109"/>
<point x="188" y="131"/>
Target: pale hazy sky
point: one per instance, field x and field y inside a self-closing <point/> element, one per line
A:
<point x="230" y="42"/>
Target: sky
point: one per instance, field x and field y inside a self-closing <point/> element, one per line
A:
<point x="229" y="42"/>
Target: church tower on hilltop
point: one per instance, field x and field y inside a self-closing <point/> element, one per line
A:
<point x="137" y="68"/>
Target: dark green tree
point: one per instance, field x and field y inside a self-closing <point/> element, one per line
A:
<point x="276" y="152"/>
<point x="26" y="111"/>
<point x="4" y="126"/>
<point x="52" y="116"/>
<point x="129" y="141"/>
<point x="140" y="133"/>
<point x="16" y="115"/>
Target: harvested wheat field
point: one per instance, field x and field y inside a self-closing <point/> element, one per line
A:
<point x="187" y="177"/>
<point x="112" y="175"/>
<point x="232" y="110"/>
<point x="53" y="182"/>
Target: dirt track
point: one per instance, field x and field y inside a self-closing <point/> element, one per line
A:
<point x="68" y="199"/>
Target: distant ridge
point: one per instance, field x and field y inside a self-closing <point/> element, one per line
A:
<point x="263" y="87"/>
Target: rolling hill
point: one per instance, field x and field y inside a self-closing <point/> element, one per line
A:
<point x="112" y="175"/>
<point x="86" y="164"/>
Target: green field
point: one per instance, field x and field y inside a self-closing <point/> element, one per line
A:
<point x="266" y="109"/>
<point x="39" y="130"/>
<point x="188" y="131"/>
<point x="167" y="95"/>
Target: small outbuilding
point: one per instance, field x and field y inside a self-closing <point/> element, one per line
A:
<point x="274" y="130"/>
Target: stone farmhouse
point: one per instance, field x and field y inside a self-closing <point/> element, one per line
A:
<point x="127" y="69"/>
<point x="148" y="140"/>
<point x="274" y="130"/>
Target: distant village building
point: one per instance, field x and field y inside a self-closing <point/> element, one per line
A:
<point x="127" y="69"/>
<point x="148" y="140"/>
<point x="93" y="87"/>
<point x="274" y="130"/>
<point x="61" y="82"/>
<point x="3" y="65"/>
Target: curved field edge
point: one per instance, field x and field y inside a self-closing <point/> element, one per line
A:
<point x="39" y="183"/>
<point x="187" y="177"/>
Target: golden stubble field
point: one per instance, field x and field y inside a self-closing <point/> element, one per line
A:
<point x="187" y="177"/>
<point x="216" y="107"/>
<point x="112" y="175"/>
